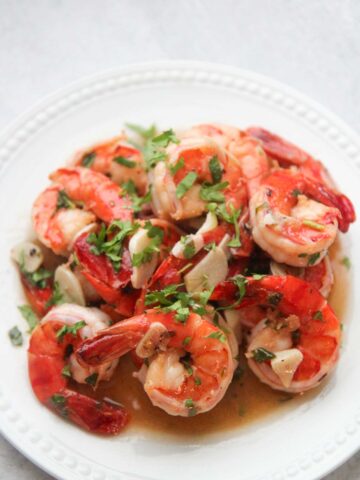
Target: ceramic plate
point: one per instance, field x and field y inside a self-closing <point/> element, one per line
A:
<point x="304" y="441"/>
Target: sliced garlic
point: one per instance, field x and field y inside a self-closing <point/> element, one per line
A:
<point x="233" y="319"/>
<point x="178" y="249"/>
<point x="209" y="224"/>
<point x="141" y="274"/>
<point x="285" y="364"/>
<point x="211" y="270"/>
<point x="28" y="255"/>
<point x="69" y="286"/>
<point x="156" y="337"/>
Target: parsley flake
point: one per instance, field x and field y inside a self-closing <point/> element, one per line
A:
<point x="125" y="162"/>
<point x="15" y="336"/>
<point x="29" y="315"/>
<point x="262" y="355"/>
<point x="185" y="184"/>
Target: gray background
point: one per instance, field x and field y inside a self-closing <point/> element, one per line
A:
<point x="312" y="45"/>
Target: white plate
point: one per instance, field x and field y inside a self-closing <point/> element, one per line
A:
<point x="304" y="442"/>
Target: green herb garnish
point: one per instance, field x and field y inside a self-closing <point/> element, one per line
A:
<point x="125" y="162"/>
<point x="15" y="336"/>
<point x="185" y="184"/>
<point x="262" y="355"/>
<point x="88" y="159"/>
<point x="69" y="329"/>
<point x="215" y="169"/>
<point x="28" y="313"/>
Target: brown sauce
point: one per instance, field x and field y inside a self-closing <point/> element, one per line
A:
<point x="246" y="400"/>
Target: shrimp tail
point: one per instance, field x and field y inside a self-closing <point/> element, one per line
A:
<point x="330" y="198"/>
<point x="113" y="342"/>
<point x="97" y="416"/>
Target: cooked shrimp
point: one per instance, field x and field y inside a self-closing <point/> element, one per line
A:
<point x="51" y="363"/>
<point x="116" y="159"/>
<point x="119" y="283"/>
<point x="319" y="276"/>
<point x="288" y="154"/>
<point x="190" y="363"/>
<point x="239" y="145"/>
<point x="97" y="192"/>
<point x="190" y="160"/>
<point x="56" y="224"/>
<point x="297" y="343"/>
<point x="289" y="226"/>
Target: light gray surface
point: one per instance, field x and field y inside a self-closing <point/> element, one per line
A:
<point x="311" y="45"/>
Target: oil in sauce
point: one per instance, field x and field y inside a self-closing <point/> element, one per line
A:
<point x="245" y="401"/>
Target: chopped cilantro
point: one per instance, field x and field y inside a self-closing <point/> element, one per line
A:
<point x="15" y="336"/>
<point x="213" y="193"/>
<point x="92" y="379"/>
<point x="215" y="169"/>
<point x="145" y="133"/>
<point x="69" y="329"/>
<point x="28" y="313"/>
<point x="186" y="341"/>
<point x="165" y="138"/>
<point x="190" y="405"/>
<point x="218" y="336"/>
<point x="197" y="381"/>
<point x="56" y="298"/>
<point x="318" y="316"/>
<point x="240" y="281"/>
<point x="185" y="184"/>
<point x="346" y="262"/>
<point x="125" y="162"/>
<point x="189" y="246"/>
<point x="262" y="355"/>
<point x="58" y="400"/>
<point x="210" y="246"/>
<point x="178" y="166"/>
<point x="313" y="258"/>
<point x="88" y="159"/>
<point x="296" y="192"/>
<point x="63" y="201"/>
<point x="258" y="276"/>
<point x="66" y="372"/>
<point x="37" y="278"/>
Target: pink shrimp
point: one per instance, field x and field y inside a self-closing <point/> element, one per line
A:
<point x="51" y="362"/>
<point x="118" y="160"/>
<point x="291" y="227"/>
<point x="299" y="328"/>
<point x="288" y="154"/>
<point x="190" y="363"/>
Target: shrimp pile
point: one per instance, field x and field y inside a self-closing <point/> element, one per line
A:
<point x="185" y="250"/>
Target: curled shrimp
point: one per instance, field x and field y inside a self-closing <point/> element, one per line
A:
<point x="192" y="156"/>
<point x="244" y="148"/>
<point x="52" y="362"/>
<point x="57" y="224"/>
<point x="291" y="227"/>
<point x="116" y="159"/>
<point x="119" y="284"/>
<point x="288" y="154"/>
<point x="97" y="192"/>
<point x="296" y="344"/>
<point x="190" y="363"/>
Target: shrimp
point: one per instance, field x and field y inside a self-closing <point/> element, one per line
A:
<point x="51" y="363"/>
<point x="289" y="226"/>
<point x="245" y="149"/>
<point x="56" y="224"/>
<point x="296" y="344"/>
<point x="97" y="192"/>
<point x="319" y="276"/>
<point x="288" y="154"/>
<point x="118" y="160"/>
<point x="190" y="363"/>
<point x="190" y="160"/>
<point x="118" y="282"/>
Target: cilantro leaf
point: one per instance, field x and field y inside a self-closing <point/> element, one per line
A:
<point x="145" y="133"/>
<point x="215" y="169"/>
<point x="165" y="138"/>
<point x="69" y="329"/>
<point x="125" y="162"/>
<point x="88" y="159"/>
<point x="28" y="313"/>
<point x="64" y="201"/>
<point x="212" y="193"/>
<point x="178" y="166"/>
<point x="56" y="298"/>
<point x="15" y="336"/>
<point x="261" y="355"/>
<point x="218" y="336"/>
<point x="185" y="184"/>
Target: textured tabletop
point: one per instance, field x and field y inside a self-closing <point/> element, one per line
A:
<point x="313" y="46"/>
